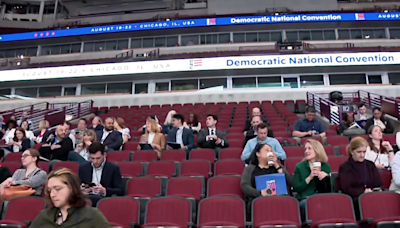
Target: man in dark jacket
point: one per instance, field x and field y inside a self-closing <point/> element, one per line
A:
<point x="57" y="147"/>
<point x="111" y="138"/>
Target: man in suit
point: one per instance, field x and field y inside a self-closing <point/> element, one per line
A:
<point x="105" y="176"/>
<point x="57" y="147"/>
<point x="251" y="133"/>
<point x="180" y="134"/>
<point x="210" y="137"/>
<point x="111" y="138"/>
<point x="255" y="112"/>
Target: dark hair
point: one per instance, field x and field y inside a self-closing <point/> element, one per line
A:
<point x="179" y="117"/>
<point x="67" y="123"/>
<point x="310" y="109"/>
<point x="371" y="145"/>
<point x="27" y="124"/>
<point x="261" y="126"/>
<point x="13" y="122"/>
<point x="346" y="117"/>
<point x="76" y="199"/>
<point x="376" y="108"/>
<point x="215" y="117"/>
<point x="195" y="121"/>
<point x="362" y="104"/>
<point x="35" y="154"/>
<point x="15" y="133"/>
<point x="253" y="159"/>
<point x="153" y="117"/>
<point x="96" y="147"/>
<point x="83" y="119"/>
<point x="1" y="154"/>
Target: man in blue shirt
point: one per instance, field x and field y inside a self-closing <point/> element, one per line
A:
<point x="262" y="137"/>
<point x="308" y="126"/>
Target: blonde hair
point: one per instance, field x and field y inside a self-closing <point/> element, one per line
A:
<point x="320" y="153"/>
<point x="154" y="126"/>
<point x="168" y="119"/>
<point x="90" y="133"/>
<point x="44" y="124"/>
<point x="355" y="143"/>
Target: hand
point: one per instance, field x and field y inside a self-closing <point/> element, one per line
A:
<point x="379" y="166"/>
<point x="54" y="147"/>
<point x="310" y="132"/>
<point x="363" y="124"/>
<point x="264" y="192"/>
<point x="100" y="189"/>
<point x="315" y="172"/>
<point x="322" y="175"/>
<point x="155" y="146"/>
<point x="387" y="145"/>
<point x="367" y="190"/>
<point x="7" y="183"/>
<point x="46" y="145"/>
<point x="219" y="141"/>
<point x="88" y="143"/>
<point x="183" y="148"/>
<point x="213" y="137"/>
<point x="169" y="148"/>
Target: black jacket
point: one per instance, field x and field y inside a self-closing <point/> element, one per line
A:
<point x="113" y="141"/>
<point x="98" y="130"/>
<point x="45" y="136"/>
<point x="60" y="153"/>
<point x="389" y="127"/>
<point x="111" y="177"/>
<point x="202" y="139"/>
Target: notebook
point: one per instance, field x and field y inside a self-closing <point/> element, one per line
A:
<point x="274" y="183"/>
<point x="145" y="146"/>
<point x="174" y="145"/>
<point x="360" y="122"/>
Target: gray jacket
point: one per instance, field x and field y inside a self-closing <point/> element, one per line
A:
<point x="251" y="192"/>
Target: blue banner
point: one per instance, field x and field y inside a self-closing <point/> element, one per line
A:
<point x="333" y="17"/>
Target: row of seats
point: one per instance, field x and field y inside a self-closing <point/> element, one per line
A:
<point x="283" y="211"/>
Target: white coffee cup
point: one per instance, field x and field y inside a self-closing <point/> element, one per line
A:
<point x="317" y="164"/>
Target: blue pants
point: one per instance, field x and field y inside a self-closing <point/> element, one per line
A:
<point x="74" y="156"/>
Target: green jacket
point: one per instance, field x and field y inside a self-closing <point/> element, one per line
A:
<point x="85" y="217"/>
<point x="301" y="172"/>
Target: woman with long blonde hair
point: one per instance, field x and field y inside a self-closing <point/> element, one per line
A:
<point x="153" y="137"/>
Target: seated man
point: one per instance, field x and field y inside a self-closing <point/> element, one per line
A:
<point x="179" y="134"/>
<point x="67" y="126"/>
<point x="308" y="126"/>
<point x="256" y="120"/>
<point x="262" y="138"/>
<point x="100" y="178"/>
<point x="57" y="147"/>
<point x="210" y="137"/>
<point x="362" y="115"/>
<point x="111" y="138"/>
<point x="255" y="112"/>
<point x="78" y="132"/>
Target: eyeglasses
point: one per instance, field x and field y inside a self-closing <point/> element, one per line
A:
<point x="56" y="189"/>
<point x="25" y="156"/>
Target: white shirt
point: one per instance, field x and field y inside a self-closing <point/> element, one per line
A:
<point x="124" y="132"/>
<point x="73" y="139"/>
<point x="179" y="134"/>
<point x="150" y="138"/>
<point x="211" y="131"/>
<point x="85" y="154"/>
<point x="9" y="135"/>
<point x="29" y="135"/>
<point x="105" y="134"/>
<point x="379" y="158"/>
<point x="379" y="123"/>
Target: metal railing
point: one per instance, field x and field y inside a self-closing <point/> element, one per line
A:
<point x="325" y="107"/>
<point x="389" y="105"/>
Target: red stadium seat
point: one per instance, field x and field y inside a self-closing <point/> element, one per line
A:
<point x="229" y="167"/>
<point x="337" y="140"/>
<point x="205" y="154"/>
<point x="22" y="210"/>
<point x="224" y="186"/>
<point x="221" y="211"/>
<point x="188" y="187"/>
<point x="144" y="156"/>
<point x="147" y="187"/>
<point x="131" y="146"/>
<point x="12" y="166"/>
<point x="230" y="153"/>
<point x="130" y="169"/>
<point x="45" y="166"/>
<point x="118" y="156"/>
<point x="162" y="169"/>
<point x="294" y="151"/>
<point x="13" y="157"/>
<point x="73" y="166"/>
<point x="329" y="151"/>
<point x="174" y="155"/>
<point x="386" y="177"/>
<point x="120" y="211"/>
<point x="196" y="168"/>
<point x="335" y="162"/>
<point x="290" y="163"/>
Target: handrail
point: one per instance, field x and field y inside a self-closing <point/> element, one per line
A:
<point x="325" y="108"/>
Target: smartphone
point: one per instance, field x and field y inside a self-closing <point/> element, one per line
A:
<point x="376" y="189"/>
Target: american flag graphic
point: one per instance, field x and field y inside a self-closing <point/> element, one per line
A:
<point x="211" y="21"/>
<point x="194" y="63"/>
<point x="360" y="16"/>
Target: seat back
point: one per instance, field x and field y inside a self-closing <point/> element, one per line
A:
<point x="162" y="168"/>
<point x="144" y="156"/>
<point x="120" y="210"/>
<point x="24" y="208"/>
<point x="12" y="166"/>
<point x="278" y="208"/>
<point x="230" y="153"/>
<point x="73" y="166"/>
<point x="168" y="211"/>
<point x="13" y="157"/>
<point x="294" y="151"/>
<point x="144" y="187"/>
<point x="186" y="187"/>
<point x="335" y="162"/>
<point x="229" y="167"/>
<point x="329" y="207"/>
<point x="206" y="154"/>
<point x="130" y="169"/>
<point x="221" y="211"/>
<point x="118" y="156"/>
<point x="196" y="168"/>
<point x="224" y="186"/>
<point x="390" y="202"/>
<point x="174" y="155"/>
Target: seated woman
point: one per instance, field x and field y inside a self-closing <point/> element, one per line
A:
<point x="10" y="130"/>
<point x="312" y="175"/>
<point x="168" y="122"/>
<point x="97" y="127"/>
<point x="81" y="153"/>
<point x="44" y="133"/>
<point x="20" y="142"/>
<point x="347" y="122"/>
<point x="67" y="204"/>
<point x="193" y="123"/>
<point x="150" y="117"/>
<point x="153" y="137"/>
<point x="30" y="175"/>
<point x="119" y="125"/>
<point x="29" y="134"/>
<point x="358" y="175"/>
<point x="380" y="120"/>
<point x="263" y="161"/>
<point x="378" y="151"/>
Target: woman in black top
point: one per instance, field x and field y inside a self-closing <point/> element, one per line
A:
<point x="263" y="161"/>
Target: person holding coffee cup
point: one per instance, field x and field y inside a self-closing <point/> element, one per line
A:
<point x="312" y="175"/>
<point x="263" y="160"/>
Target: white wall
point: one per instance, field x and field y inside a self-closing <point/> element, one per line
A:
<point x="234" y="95"/>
